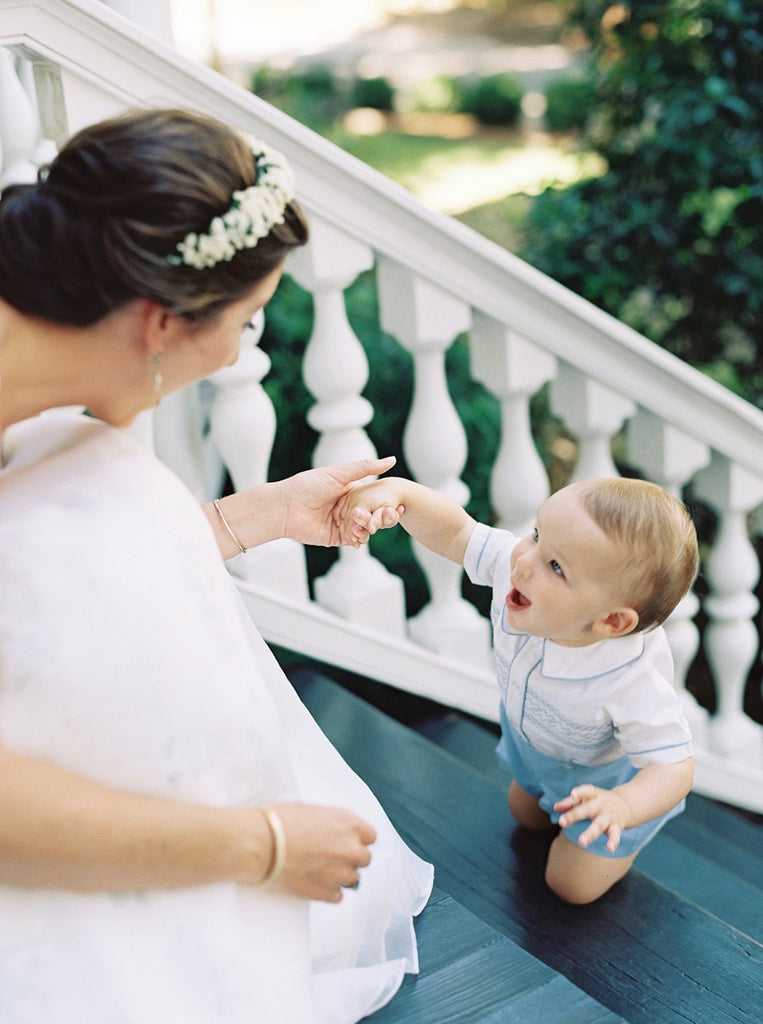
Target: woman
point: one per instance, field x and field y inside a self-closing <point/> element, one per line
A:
<point x="178" y="842"/>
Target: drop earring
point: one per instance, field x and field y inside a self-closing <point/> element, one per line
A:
<point x="158" y="379"/>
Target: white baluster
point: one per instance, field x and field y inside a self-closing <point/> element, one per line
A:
<point x="731" y="639"/>
<point x="335" y="370"/>
<point x="242" y="429"/>
<point x="178" y="427"/>
<point x="426" y="320"/>
<point x="227" y="421"/>
<point x="18" y="125"/>
<point x="242" y="419"/>
<point x="670" y="458"/>
<point x="593" y="413"/>
<point x="513" y="369"/>
<point x="44" y="150"/>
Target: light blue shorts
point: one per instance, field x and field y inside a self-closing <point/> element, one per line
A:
<point x="550" y="780"/>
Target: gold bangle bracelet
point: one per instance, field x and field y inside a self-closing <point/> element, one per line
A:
<point x="279" y="845"/>
<point x="226" y="524"/>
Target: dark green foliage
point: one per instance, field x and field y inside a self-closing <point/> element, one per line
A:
<point x="311" y="94"/>
<point x="569" y="102"/>
<point x="288" y="324"/>
<point x="670" y="239"/>
<point x="378" y="93"/>
<point x="493" y="100"/>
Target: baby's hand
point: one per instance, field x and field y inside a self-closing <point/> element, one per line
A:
<point x="367" y="508"/>
<point x="365" y="522"/>
<point x="608" y="811"/>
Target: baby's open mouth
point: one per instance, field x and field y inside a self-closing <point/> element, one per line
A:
<point x="517" y="599"/>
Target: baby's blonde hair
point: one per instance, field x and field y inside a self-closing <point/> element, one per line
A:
<point x="657" y="537"/>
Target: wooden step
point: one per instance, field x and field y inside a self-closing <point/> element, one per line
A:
<point x="710" y="854"/>
<point x="471" y="974"/>
<point x="642" y="951"/>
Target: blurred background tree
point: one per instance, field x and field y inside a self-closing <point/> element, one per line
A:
<point x="670" y="238"/>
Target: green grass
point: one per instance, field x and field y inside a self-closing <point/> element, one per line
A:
<point x="485" y="180"/>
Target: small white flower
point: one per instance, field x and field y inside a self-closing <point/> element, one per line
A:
<point x="251" y="216"/>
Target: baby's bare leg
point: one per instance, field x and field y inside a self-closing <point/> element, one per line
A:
<point x="579" y="876"/>
<point x="526" y="809"/>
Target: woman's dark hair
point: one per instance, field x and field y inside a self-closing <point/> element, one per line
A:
<point x="95" y="231"/>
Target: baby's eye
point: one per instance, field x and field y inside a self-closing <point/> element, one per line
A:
<point x="249" y="326"/>
<point x="534" y="536"/>
<point x="555" y="567"/>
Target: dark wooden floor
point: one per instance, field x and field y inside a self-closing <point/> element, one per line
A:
<point x="678" y="941"/>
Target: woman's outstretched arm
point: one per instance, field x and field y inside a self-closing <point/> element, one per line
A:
<point x="301" y="507"/>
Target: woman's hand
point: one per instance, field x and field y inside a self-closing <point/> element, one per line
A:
<point x="369" y="507"/>
<point x="326" y="848"/>
<point x="304" y="507"/>
<point x="315" y="499"/>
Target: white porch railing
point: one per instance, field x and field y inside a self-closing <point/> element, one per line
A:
<point x="65" y="63"/>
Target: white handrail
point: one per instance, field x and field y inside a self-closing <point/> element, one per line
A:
<point x="135" y="67"/>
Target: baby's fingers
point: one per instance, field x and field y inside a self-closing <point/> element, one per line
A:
<point x="614" y="833"/>
<point x="392" y="516"/>
<point x="383" y="518"/>
<point x="361" y="517"/>
<point x="577" y="805"/>
<point x="357" y="533"/>
<point x="601" y="826"/>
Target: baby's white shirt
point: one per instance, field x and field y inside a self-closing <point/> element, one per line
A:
<point x="588" y="705"/>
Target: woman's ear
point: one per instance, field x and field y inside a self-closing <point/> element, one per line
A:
<point x="619" y="622"/>
<point x="157" y="325"/>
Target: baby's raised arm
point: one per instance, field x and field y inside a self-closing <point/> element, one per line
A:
<point x="439" y="523"/>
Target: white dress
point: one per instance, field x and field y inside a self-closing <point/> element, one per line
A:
<point x="126" y="656"/>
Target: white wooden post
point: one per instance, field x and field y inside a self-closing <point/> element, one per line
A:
<point x="513" y="369"/>
<point x="242" y="429"/>
<point x="18" y="126"/>
<point x="425" y="320"/>
<point x="731" y="639"/>
<point x="335" y="369"/>
<point x="670" y="457"/>
<point x="44" y="149"/>
<point x="594" y="414"/>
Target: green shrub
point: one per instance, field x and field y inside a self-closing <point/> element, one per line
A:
<point x="569" y="102"/>
<point x="493" y="100"/>
<point x="435" y="95"/>
<point x="378" y="93"/>
<point x="670" y="239"/>
<point x="311" y="94"/>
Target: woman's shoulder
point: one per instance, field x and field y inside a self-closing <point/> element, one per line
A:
<point x="54" y="433"/>
<point x="67" y="460"/>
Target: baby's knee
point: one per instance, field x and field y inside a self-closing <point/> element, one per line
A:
<point x="526" y="809"/>
<point x="578" y="876"/>
<point x="570" y="889"/>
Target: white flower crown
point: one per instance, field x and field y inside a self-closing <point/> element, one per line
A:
<point x="252" y="215"/>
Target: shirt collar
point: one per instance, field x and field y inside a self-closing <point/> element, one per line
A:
<point x="598" y="659"/>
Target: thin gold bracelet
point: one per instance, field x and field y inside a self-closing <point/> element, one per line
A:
<point x="226" y="524"/>
<point x="279" y="845"/>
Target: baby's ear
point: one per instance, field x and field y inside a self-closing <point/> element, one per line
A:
<point x="619" y="622"/>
